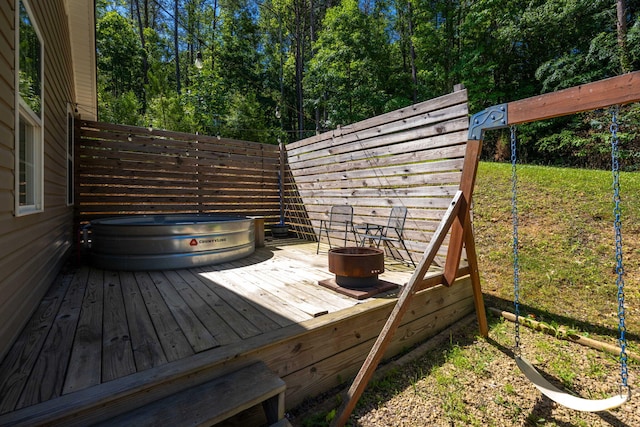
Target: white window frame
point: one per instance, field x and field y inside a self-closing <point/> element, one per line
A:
<point x="71" y="123"/>
<point x="34" y="121"/>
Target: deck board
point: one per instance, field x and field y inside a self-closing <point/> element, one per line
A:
<point x="117" y="353"/>
<point x="193" y="329"/>
<point x="218" y="329"/>
<point x="85" y="363"/>
<point x="268" y="284"/>
<point x="47" y="377"/>
<point x="319" y="301"/>
<point x="239" y="326"/>
<point x="95" y="326"/>
<point x="147" y="350"/>
<point x="242" y="296"/>
<point x="279" y="312"/>
<point x="297" y="278"/>
<point x="17" y="365"/>
<point x="174" y="344"/>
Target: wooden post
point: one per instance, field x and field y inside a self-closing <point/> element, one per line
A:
<point x="258" y="226"/>
<point x="282" y="177"/>
<point x="467" y="182"/>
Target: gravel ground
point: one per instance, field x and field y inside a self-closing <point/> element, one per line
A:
<point x="470" y="381"/>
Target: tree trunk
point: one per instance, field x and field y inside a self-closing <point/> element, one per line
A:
<point x="299" y="24"/>
<point x="412" y="54"/>
<point x="312" y="39"/>
<point x="175" y="45"/>
<point x="146" y="13"/>
<point x="145" y="62"/>
<point x="213" y="36"/>
<point x="402" y="34"/>
<point x="621" y="9"/>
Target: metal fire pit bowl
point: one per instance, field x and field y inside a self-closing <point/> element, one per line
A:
<point x="356" y="267"/>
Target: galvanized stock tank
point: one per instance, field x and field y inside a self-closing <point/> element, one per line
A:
<point x="167" y="242"/>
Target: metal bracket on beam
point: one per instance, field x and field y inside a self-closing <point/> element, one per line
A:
<point x="492" y="118"/>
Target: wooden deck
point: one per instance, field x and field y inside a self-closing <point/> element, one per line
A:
<point x="104" y="342"/>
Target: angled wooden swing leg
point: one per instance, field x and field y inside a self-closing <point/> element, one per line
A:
<point x="467" y="182"/>
<point x="472" y="259"/>
<point x="390" y="327"/>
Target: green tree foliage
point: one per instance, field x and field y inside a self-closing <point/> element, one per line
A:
<point x="346" y="76"/>
<point x="437" y="41"/>
<point x="323" y="63"/>
<point x="246" y="119"/>
<point x="119" y="57"/>
<point x="585" y="49"/>
<point x="240" y="56"/>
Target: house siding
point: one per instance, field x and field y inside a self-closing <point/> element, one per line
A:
<point x="6" y="106"/>
<point x="33" y="247"/>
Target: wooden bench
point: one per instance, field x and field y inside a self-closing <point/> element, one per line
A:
<point x="214" y="401"/>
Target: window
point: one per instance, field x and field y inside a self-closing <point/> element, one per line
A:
<point x="29" y="136"/>
<point x="70" y="152"/>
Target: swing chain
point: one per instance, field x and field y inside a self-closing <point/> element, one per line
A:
<point x="617" y="213"/>
<point x="516" y="261"/>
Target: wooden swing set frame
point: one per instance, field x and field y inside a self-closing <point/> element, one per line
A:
<point x="620" y="90"/>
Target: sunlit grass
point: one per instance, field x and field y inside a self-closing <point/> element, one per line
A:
<point x="566" y="239"/>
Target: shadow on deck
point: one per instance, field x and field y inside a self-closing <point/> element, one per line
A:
<point x="105" y="342"/>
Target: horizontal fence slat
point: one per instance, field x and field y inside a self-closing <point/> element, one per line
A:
<point x="445" y="146"/>
<point x="406" y="175"/>
<point x="172" y="207"/>
<point x="434" y="191"/>
<point x="119" y="187"/>
<point x="123" y="159"/>
<point x="135" y="131"/>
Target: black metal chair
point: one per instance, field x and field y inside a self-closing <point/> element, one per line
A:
<point x="340" y="221"/>
<point x="392" y="232"/>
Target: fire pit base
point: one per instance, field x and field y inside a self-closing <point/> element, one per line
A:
<point x="356" y="272"/>
<point x="361" y="292"/>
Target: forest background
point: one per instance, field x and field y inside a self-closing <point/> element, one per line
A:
<point x="283" y="70"/>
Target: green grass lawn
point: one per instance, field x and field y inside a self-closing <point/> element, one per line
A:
<point x="566" y="244"/>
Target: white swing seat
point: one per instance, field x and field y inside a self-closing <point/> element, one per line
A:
<point x="565" y="399"/>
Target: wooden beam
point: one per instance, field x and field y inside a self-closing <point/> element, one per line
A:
<point x="390" y="327"/>
<point x="618" y="90"/>
<point x="431" y="281"/>
<point x="467" y="182"/>
<point x="566" y="334"/>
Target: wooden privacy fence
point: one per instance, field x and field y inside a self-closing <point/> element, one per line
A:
<point x="411" y="157"/>
<point x="125" y="170"/>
